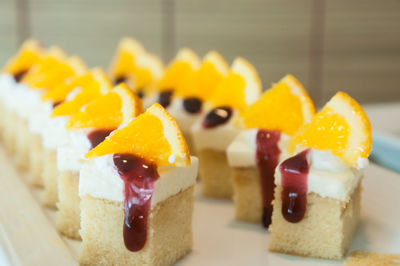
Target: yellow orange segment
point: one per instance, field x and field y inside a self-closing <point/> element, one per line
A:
<point x="60" y="92"/>
<point x="28" y="55"/>
<point x="341" y="127"/>
<point x="98" y="87"/>
<point x="149" y="70"/>
<point x="51" y="59"/>
<point x="109" y="111"/>
<point x="202" y="83"/>
<point x="284" y="107"/>
<point x="240" y="88"/>
<point x="57" y="74"/>
<point x="185" y="63"/>
<point x="153" y="135"/>
<point x="124" y="61"/>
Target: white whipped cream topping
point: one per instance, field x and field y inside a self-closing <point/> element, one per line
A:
<point x="216" y="138"/>
<point x="25" y="102"/>
<point x="329" y="176"/>
<point x="100" y="179"/>
<point x="54" y="132"/>
<point x="185" y="120"/>
<point x="71" y="154"/>
<point x="7" y="86"/>
<point x="242" y="150"/>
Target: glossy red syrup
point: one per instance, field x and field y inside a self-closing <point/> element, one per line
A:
<point x="97" y="136"/>
<point x="217" y="116"/>
<point x="294" y="172"/>
<point x="165" y="98"/>
<point x="267" y="157"/>
<point x="139" y="176"/>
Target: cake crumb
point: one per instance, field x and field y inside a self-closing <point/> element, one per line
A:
<point x="365" y="258"/>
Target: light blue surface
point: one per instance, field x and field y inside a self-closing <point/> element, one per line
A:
<point x="386" y="150"/>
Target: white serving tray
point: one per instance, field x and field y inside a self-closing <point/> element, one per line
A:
<point x="29" y="236"/>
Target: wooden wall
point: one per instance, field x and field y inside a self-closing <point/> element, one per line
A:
<point x="328" y="44"/>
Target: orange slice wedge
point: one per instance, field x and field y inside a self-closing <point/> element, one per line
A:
<point x="121" y="106"/>
<point x="124" y="61"/>
<point x="58" y="74"/>
<point x="185" y="62"/>
<point x="51" y="59"/>
<point x="81" y="96"/>
<point x="149" y="70"/>
<point x="284" y="107"/>
<point x="341" y="127"/>
<point x="202" y="83"/>
<point x="240" y="88"/>
<point x="61" y="91"/>
<point x="153" y="135"/>
<point x="28" y="55"/>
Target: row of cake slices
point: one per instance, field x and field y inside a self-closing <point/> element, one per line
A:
<point x="317" y="160"/>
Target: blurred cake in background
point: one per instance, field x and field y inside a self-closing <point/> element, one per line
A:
<point x="179" y="69"/>
<point x="12" y="119"/>
<point x="137" y="194"/>
<point x="257" y="150"/>
<point x="191" y="96"/>
<point x="220" y="124"/>
<point x="317" y="197"/>
<point x="55" y="133"/>
<point x="137" y="68"/>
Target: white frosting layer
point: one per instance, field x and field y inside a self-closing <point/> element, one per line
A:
<point x="242" y="150"/>
<point x="217" y="138"/>
<point x="100" y="179"/>
<point x="54" y="133"/>
<point x="329" y="176"/>
<point x="71" y="155"/>
<point x="25" y="102"/>
<point x="7" y="86"/>
<point x="185" y="120"/>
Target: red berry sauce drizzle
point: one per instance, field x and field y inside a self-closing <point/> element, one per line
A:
<point x="139" y="177"/>
<point x="267" y="157"/>
<point x="97" y="136"/>
<point x="294" y="172"/>
<point x="217" y="116"/>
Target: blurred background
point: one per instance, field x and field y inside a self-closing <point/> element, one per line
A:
<point x="329" y="45"/>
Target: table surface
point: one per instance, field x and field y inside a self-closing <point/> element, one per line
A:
<point x="226" y="242"/>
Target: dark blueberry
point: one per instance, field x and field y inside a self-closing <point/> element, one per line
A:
<point x="165" y="98"/>
<point x="192" y="105"/>
<point x="217" y="116"/>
